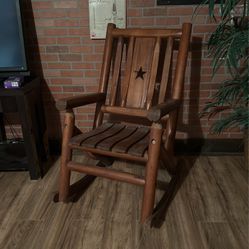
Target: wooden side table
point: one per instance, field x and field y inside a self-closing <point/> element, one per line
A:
<point x="27" y="102"/>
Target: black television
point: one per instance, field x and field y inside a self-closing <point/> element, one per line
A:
<point x="12" y="50"/>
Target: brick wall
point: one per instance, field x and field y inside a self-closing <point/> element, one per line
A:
<point x="70" y="62"/>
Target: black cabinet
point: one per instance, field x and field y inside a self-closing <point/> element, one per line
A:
<point x="27" y="102"/>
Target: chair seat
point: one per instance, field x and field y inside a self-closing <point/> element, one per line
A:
<point x="115" y="137"/>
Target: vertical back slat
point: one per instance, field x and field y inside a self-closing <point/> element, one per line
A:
<point x="166" y="67"/>
<point x="105" y="71"/>
<point x="154" y="67"/>
<point x="140" y="72"/>
<point x="106" y="61"/>
<point x="128" y="68"/>
<point x="116" y="72"/>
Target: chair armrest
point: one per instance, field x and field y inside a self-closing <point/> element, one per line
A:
<point x="79" y="100"/>
<point x="155" y="113"/>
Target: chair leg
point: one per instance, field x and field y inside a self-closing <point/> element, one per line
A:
<point x="151" y="172"/>
<point x="66" y="155"/>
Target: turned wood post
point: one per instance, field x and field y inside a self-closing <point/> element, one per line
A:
<point x="151" y="171"/>
<point x="66" y="154"/>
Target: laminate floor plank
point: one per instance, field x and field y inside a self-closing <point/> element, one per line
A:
<point x="220" y="235"/>
<point x="210" y="210"/>
<point x="9" y="190"/>
<point x="22" y="235"/>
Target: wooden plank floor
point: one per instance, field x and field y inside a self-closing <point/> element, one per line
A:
<point x="210" y="211"/>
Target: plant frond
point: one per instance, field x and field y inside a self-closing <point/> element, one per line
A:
<point x="239" y="117"/>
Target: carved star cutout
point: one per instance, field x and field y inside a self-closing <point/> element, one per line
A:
<point x="140" y="73"/>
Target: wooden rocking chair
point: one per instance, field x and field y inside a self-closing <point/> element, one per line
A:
<point x="134" y="88"/>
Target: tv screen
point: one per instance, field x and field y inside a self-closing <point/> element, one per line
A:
<point x="12" y="52"/>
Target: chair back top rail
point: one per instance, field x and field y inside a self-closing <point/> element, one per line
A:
<point x="146" y="32"/>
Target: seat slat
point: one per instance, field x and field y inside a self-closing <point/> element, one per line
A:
<point x="77" y="140"/>
<point x="124" y="145"/>
<point x="93" y="141"/>
<point x="108" y="143"/>
<point x="139" y="148"/>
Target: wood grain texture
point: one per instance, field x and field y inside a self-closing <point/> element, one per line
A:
<point x="115" y="137"/>
<point x="210" y="211"/>
<point x="142" y="59"/>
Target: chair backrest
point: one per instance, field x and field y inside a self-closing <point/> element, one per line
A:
<point x="137" y="63"/>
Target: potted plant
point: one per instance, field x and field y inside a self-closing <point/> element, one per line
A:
<point x="229" y="46"/>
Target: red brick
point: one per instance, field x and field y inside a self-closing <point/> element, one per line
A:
<point x="59" y="65"/>
<point x="80" y="117"/>
<point x="143" y="21"/>
<point x="70" y="57"/>
<point x="134" y="12"/>
<point x="195" y="20"/>
<point x="77" y="89"/>
<point x="47" y="40"/>
<point x="82" y="66"/>
<point x="61" y="81"/>
<point x="72" y="73"/>
<point x="51" y="73"/>
<point x="57" y="49"/>
<point x="79" y="81"/>
<point x="42" y="5"/>
<point x="86" y="124"/>
<point x="168" y="21"/>
<point x="204" y="28"/>
<point x="59" y="96"/>
<point x="65" y="4"/>
<point x="83" y="5"/>
<point x="66" y="23"/>
<point x="84" y="22"/>
<point x="78" y="12"/>
<point x="91" y="73"/>
<point x="68" y="40"/>
<point x="50" y="14"/>
<point x="81" y="49"/>
<point x="142" y="3"/>
<point x="49" y="57"/>
<point x="155" y="12"/>
<point x="55" y="32"/>
<point x="55" y="88"/>
<point x="99" y="48"/>
<point x="44" y="23"/>
<point x="93" y="57"/>
<point x="180" y="11"/>
<point x="91" y="89"/>
<point x="79" y="31"/>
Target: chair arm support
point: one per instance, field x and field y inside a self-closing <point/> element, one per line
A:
<point x="79" y="100"/>
<point x="155" y="113"/>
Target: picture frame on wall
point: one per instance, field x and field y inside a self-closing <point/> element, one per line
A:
<point x="102" y="12"/>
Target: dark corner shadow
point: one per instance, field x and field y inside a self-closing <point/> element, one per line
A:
<point x="171" y="189"/>
<point x="193" y="130"/>
<point x="52" y="119"/>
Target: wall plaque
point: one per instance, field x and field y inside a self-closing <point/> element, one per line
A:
<point x="102" y="12"/>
